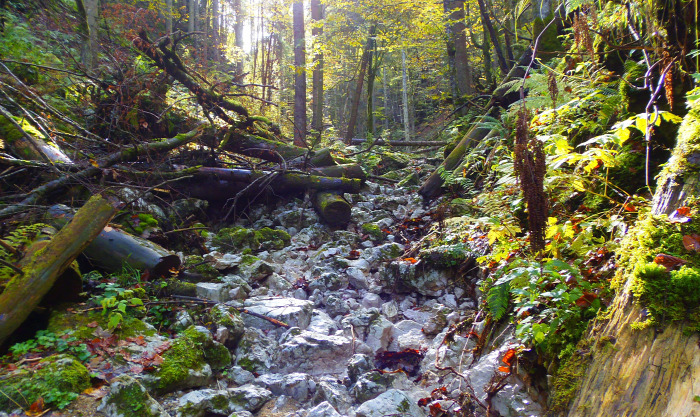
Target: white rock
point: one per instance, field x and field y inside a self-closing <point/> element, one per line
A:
<point x="357" y="277"/>
<point x="390" y="309"/>
<point x="314" y="353"/>
<point x="378" y="334"/>
<point x="114" y="404"/>
<point x="321" y="323"/>
<point x="296" y="313"/>
<point x="392" y="402"/>
<point x="371" y="300"/>
<point x="213" y="291"/>
<point x="323" y="410"/>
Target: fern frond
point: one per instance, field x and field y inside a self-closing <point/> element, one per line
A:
<point x="497" y="300"/>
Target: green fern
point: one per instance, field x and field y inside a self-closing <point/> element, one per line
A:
<point x="497" y="300"/>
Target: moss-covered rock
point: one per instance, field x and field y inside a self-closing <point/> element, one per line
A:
<point x="567" y="379"/>
<point x="240" y="238"/>
<point x="128" y="398"/>
<point x="229" y="318"/>
<point x="188" y="363"/>
<point x="197" y="265"/>
<point x="448" y="256"/>
<point x="58" y="379"/>
<point x="410" y="179"/>
<point x="374" y="232"/>
<point x="81" y="325"/>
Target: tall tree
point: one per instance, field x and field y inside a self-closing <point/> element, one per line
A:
<point x="458" y="58"/>
<point x="238" y="35"/>
<point x="191" y="13"/>
<point x="317" y="82"/>
<point x="488" y="24"/>
<point x="89" y="12"/>
<point x="299" y="74"/>
<point x="404" y="84"/>
<point x="169" y="17"/>
<point x="355" y="106"/>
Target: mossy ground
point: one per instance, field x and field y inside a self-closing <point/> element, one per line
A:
<point x="668" y="295"/>
<point x="57" y="379"/>
<point x="190" y="352"/>
<point x="239" y="238"/>
<point x="81" y="324"/>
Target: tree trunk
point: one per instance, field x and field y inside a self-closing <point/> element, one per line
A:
<point x="354" y="108"/>
<point x="215" y="27"/>
<point x="299" y="75"/>
<point x="317" y="32"/>
<point x="89" y="11"/>
<point x="373" y="66"/>
<point x="457" y="49"/>
<point x="494" y="37"/>
<point x="653" y="371"/>
<point x="404" y="84"/>
<point x="168" y="17"/>
<point x="23" y="293"/>
<point x="191" y="16"/>
<point x="113" y="248"/>
<point x="25" y="146"/>
<point x="238" y="35"/>
<point x="332" y="208"/>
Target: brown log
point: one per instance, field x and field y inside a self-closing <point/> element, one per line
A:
<point x="431" y="187"/>
<point x="271" y="150"/>
<point x="124" y="155"/>
<point x="224" y="183"/>
<point x="332" y="208"/>
<point x="341" y="171"/>
<point x="113" y="248"/>
<point x="24" y="292"/>
<point x="381" y="142"/>
<point x="23" y="145"/>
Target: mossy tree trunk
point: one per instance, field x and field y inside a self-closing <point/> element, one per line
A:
<point x="333" y="208"/>
<point x="24" y="292"/>
<point x="654" y="371"/>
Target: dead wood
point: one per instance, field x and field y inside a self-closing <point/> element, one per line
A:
<point x="332" y="208"/>
<point x="124" y="155"/>
<point x="24" y="292"/>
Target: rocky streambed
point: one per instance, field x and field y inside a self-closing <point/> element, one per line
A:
<point x="370" y="331"/>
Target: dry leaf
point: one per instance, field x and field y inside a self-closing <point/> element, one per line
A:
<point x="669" y="261"/>
<point x="691" y="243"/>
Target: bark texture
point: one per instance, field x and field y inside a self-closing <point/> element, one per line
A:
<point x="23" y="293"/>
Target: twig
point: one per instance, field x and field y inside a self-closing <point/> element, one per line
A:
<point x="12" y="267"/>
<point x="239" y="309"/>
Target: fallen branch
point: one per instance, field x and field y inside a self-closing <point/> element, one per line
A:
<point x="125" y="155"/>
<point x="24" y="293"/>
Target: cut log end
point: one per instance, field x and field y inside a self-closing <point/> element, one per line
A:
<point x="332" y="208"/>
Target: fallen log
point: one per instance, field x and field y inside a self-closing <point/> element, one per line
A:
<point x="113" y="248"/>
<point x="271" y="150"/>
<point x="332" y="207"/>
<point x="124" y="155"/>
<point x="218" y="184"/>
<point x="26" y="146"/>
<point x="432" y="186"/>
<point x="381" y="142"/>
<point x="24" y="292"/>
<point x="341" y="171"/>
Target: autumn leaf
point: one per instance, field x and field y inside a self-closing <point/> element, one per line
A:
<point x="586" y="299"/>
<point x="629" y="207"/>
<point x="668" y="261"/>
<point x="435" y="409"/>
<point x="691" y="243"/>
<point x="411" y="260"/>
<point x="505" y="369"/>
<point x="683" y="211"/>
<point x="37" y="408"/>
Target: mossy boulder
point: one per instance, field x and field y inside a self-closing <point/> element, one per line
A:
<point x="410" y="179"/>
<point x="195" y="264"/>
<point x="447" y="256"/>
<point x="58" y="379"/>
<point x="374" y="232"/>
<point x="190" y="361"/>
<point x="240" y="238"/>
<point x="128" y="398"/>
<point x="230" y="319"/>
<point x="81" y="325"/>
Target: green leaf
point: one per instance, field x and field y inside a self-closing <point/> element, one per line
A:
<point x="497" y="300"/>
<point x="136" y="301"/>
